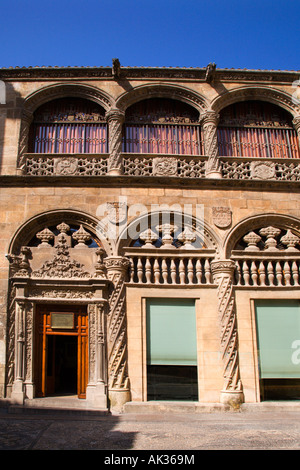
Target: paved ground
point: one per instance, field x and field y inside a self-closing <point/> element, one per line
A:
<point x="278" y="430"/>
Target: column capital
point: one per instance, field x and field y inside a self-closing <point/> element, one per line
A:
<point x="210" y="117"/>
<point x="115" y="114"/>
<point x="226" y="266"/>
<point x="118" y="264"/>
<point x="296" y="123"/>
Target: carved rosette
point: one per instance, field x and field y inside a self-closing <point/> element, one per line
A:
<point x="223" y="276"/>
<point x="115" y="119"/>
<point x="118" y="380"/>
<point x="210" y="124"/>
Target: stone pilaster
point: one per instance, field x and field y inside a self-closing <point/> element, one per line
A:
<point x="96" y="392"/>
<point x="115" y="119"/>
<point x="232" y="392"/>
<point x="118" y="381"/>
<point x="209" y="122"/>
<point x="18" y="392"/>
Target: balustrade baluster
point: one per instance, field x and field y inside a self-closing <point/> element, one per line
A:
<point x="190" y="271"/>
<point x="131" y="270"/>
<point x="148" y="271"/>
<point x="287" y="273"/>
<point x="262" y="274"/>
<point x="246" y="274"/>
<point x="254" y="274"/>
<point x="181" y="271"/>
<point x="295" y="273"/>
<point x="278" y="271"/>
<point x="140" y="270"/>
<point x="270" y="271"/>
<point x="164" y="271"/>
<point x="156" y="271"/>
<point x="173" y="271"/>
<point x="238" y="274"/>
<point x="199" y="271"/>
<point x="207" y="271"/>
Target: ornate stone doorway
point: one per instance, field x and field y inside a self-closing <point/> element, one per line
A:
<point x="61" y="365"/>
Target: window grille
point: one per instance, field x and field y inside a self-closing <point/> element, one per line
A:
<point x="69" y="126"/>
<point x="257" y="129"/>
<point x="162" y="126"/>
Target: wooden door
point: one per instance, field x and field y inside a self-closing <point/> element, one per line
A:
<point x="60" y="327"/>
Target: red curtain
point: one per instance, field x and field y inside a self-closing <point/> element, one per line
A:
<point x="162" y="126"/>
<point x="257" y="129"/>
<point x="69" y="126"/>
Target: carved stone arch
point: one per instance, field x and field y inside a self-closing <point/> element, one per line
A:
<point x="209" y="238"/>
<point x="63" y="275"/>
<point x="258" y="93"/>
<point x="52" y="92"/>
<point x="258" y="221"/>
<point x="38" y="222"/>
<point x="157" y="90"/>
<point x="62" y="90"/>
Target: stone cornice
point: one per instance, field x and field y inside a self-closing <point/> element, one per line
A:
<point x="176" y="73"/>
<point x="151" y="182"/>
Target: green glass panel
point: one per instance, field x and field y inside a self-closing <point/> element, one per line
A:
<point x="278" y="336"/>
<point x="171" y="332"/>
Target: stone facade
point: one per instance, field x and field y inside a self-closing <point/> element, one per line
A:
<point x="62" y="201"/>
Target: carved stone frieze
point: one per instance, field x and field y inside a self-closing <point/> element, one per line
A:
<point x="61" y="293"/>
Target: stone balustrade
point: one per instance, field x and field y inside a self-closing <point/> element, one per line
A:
<point x="170" y="267"/>
<point x="182" y="166"/>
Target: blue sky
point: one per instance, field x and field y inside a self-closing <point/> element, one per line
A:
<point x="172" y="33"/>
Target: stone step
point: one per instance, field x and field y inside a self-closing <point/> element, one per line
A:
<point x="57" y="406"/>
<point x="174" y="407"/>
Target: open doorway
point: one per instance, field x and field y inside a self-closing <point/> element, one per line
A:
<point x="62" y="365"/>
<point x="61" y="352"/>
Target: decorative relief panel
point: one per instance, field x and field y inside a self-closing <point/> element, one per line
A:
<point x="222" y="217"/>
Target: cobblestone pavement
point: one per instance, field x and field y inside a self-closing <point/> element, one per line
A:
<point x="127" y="432"/>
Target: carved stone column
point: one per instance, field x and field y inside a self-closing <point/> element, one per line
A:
<point x="118" y="381"/>
<point x="96" y="392"/>
<point x="232" y="392"/>
<point x="26" y="120"/>
<point x="18" y="392"/>
<point x="296" y="123"/>
<point x="115" y="119"/>
<point x="210" y="124"/>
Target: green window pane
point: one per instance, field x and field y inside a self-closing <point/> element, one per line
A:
<point x="171" y="332"/>
<point x="278" y="336"/>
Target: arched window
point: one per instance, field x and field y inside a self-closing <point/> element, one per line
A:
<point x="162" y="126"/>
<point x="257" y="129"/>
<point x="69" y="125"/>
